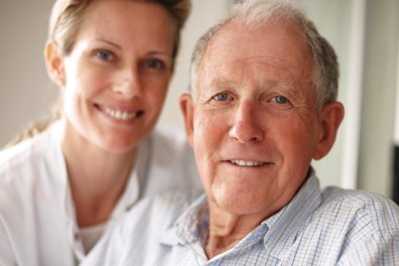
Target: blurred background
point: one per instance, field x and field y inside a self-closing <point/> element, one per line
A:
<point x="365" y="34"/>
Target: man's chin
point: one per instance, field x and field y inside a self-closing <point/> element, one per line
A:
<point x="241" y="205"/>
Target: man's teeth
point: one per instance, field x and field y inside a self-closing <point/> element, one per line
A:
<point x="247" y="163"/>
<point x="120" y="115"/>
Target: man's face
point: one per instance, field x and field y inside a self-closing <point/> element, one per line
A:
<point x="253" y="121"/>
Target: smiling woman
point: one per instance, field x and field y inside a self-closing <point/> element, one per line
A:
<point x="61" y="189"/>
<point x="118" y="81"/>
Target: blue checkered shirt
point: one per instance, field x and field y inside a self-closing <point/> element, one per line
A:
<point x="329" y="227"/>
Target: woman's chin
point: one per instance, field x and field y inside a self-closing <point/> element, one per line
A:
<point x="119" y="147"/>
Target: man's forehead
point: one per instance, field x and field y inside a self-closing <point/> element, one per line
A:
<point x="266" y="52"/>
<point x="277" y="41"/>
<point x="259" y="69"/>
<point x="246" y="64"/>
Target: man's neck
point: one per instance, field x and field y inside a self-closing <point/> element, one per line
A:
<point x="227" y="229"/>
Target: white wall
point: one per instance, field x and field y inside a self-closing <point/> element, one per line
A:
<point x="205" y="13"/>
<point x="332" y="19"/>
<point x="26" y="93"/>
<point x="377" y="128"/>
<point x="378" y="84"/>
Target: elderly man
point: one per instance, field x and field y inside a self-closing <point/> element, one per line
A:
<point x="262" y="107"/>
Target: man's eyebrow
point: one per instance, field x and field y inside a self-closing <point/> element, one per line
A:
<point x="222" y="82"/>
<point x="262" y="84"/>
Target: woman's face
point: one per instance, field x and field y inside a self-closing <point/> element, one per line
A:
<point x="115" y="78"/>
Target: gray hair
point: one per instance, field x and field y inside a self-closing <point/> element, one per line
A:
<point x="255" y="12"/>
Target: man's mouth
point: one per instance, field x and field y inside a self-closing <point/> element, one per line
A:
<point x="245" y="163"/>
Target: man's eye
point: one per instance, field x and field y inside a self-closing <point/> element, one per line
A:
<point x="104" y="55"/>
<point x="222" y="97"/>
<point x="280" y="100"/>
<point x="155" y="63"/>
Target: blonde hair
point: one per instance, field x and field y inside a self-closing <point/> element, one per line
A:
<point x="67" y="15"/>
<point x="65" y="21"/>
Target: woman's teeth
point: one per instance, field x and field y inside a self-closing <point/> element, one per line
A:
<point x="120" y="115"/>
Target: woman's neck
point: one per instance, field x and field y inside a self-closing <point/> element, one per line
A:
<point x="97" y="178"/>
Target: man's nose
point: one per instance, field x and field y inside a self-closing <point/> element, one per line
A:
<point x="246" y="125"/>
<point x="128" y="83"/>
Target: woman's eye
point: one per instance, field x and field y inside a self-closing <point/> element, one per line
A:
<point x="104" y="55"/>
<point x="222" y="97"/>
<point x="155" y="63"/>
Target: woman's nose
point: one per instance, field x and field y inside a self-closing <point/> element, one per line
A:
<point x="128" y="83"/>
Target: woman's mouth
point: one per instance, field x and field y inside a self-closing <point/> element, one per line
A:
<point x="119" y="114"/>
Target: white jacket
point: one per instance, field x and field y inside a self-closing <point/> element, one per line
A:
<point x="37" y="218"/>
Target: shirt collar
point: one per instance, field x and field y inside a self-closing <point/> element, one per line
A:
<point x="58" y="178"/>
<point x="133" y="189"/>
<point x="129" y="197"/>
<point x="278" y="231"/>
<point x="55" y="163"/>
<point x="291" y="220"/>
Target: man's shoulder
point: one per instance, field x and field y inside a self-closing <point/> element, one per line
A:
<point x="360" y="207"/>
<point x="357" y="200"/>
<point x="349" y="221"/>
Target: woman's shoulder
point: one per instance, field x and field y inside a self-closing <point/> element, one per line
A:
<point x="21" y="160"/>
<point x="17" y="164"/>
<point x="158" y="212"/>
<point x="170" y="140"/>
<point x="172" y="161"/>
<point x="32" y="178"/>
<point x="16" y="156"/>
<point x="170" y="147"/>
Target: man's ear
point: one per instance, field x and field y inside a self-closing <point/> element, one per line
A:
<point x="187" y="109"/>
<point x="331" y="116"/>
<point x="54" y="63"/>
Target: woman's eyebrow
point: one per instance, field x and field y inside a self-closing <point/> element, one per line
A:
<point x="100" y="39"/>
